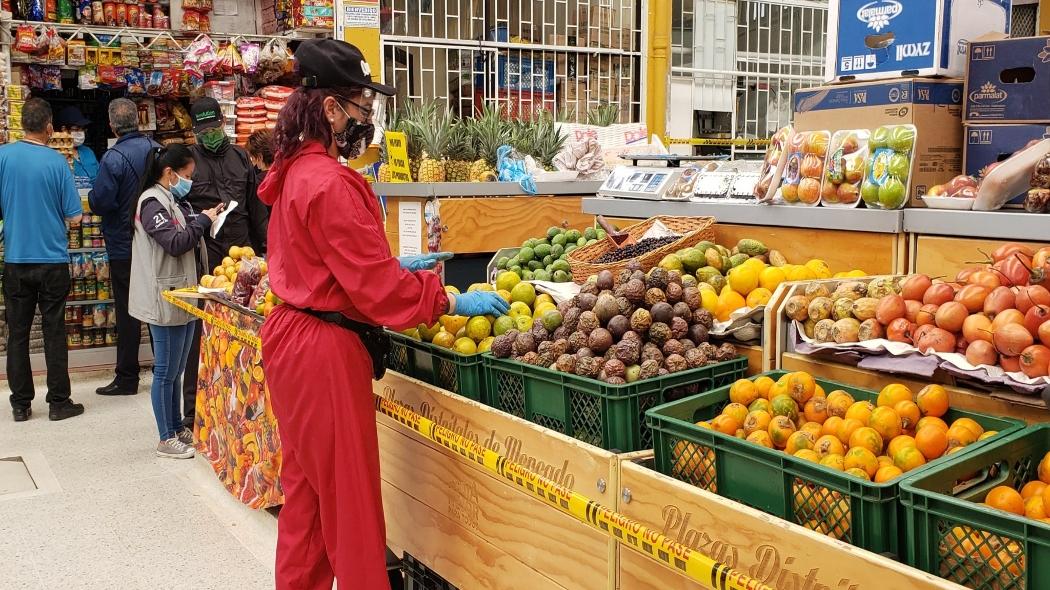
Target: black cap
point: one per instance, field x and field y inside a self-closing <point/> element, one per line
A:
<point x="72" y="117"/>
<point x="206" y="114"/>
<point x="329" y="63"/>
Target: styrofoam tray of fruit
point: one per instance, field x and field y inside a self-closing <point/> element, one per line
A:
<point x="887" y="177"/>
<point x="844" y="170"/>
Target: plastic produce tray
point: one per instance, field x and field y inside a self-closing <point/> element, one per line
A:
<point x="441" y="367"/>
<point x="863" y="513"/>
<point x="979" y="547"/>
<point x="608" y="416"/>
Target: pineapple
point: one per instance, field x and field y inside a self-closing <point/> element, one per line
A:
<point x="434" y="132"/>
<point x="461" y="152"/>
<point x="383" y="175"/>
<point x="405" y="120"/>
<point x="489" y="132"/>
<point x="603" y="115"/>
<point x="548" y="141"/>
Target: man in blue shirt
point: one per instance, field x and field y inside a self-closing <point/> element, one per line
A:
<point x="37" y="199"/>
<point x="116" y="188"/>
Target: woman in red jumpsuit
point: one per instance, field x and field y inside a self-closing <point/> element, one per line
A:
<point x="328" y="253"/>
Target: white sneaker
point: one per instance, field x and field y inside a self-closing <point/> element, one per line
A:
<point x="173" y="448"/>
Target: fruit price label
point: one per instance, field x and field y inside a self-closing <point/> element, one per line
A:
<point x="397" y="156"/>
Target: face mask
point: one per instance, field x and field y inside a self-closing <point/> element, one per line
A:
<point x="213" y="140"/>
<point x="354" y="138"/>
<point x="78" y="138"/>
<point x="181" y="188"/>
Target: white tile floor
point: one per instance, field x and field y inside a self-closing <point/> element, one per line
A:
<point x="112" y="515"/>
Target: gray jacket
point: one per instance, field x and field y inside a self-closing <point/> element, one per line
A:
<point x="154" y="271"/>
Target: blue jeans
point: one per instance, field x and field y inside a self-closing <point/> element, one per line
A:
<point x="171" y="348"/>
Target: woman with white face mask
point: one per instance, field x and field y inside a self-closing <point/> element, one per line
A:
<point x="85" y="164"/>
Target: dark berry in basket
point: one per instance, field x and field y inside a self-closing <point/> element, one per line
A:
<point x="635" y="250"/>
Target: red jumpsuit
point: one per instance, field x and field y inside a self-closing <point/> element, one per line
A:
<point x="328" y="252"/>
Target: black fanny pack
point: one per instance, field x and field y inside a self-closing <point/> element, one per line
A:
<point x="375" y="339"/>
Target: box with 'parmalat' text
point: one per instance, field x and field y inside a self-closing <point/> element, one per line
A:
<point x="933" y="106"/>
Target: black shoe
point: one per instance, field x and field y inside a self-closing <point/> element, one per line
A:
<point x="22" y="414"/>
<point x="114" y="389"/>
<point x="65" y="410"/>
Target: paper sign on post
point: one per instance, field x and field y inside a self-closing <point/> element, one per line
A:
<point x="397" y="156"/>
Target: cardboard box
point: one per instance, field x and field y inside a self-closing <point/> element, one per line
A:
<point x="1008" y="81"/>
<point x="605" y="26"/>
<point x="987" y="144"/>
<point x="880" y="39"/>
<point x="933" y="106"/>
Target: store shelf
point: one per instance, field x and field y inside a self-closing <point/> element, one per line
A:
<point x="83" y="358"/>
<point x="86" y="250"/>
<point x="88" y="302"/>
<point x="482" y="189"/>
<point x="867" y="220"/>
<point x="1004" y="225"/>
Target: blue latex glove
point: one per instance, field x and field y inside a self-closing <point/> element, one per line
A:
<point x="474" y="303"/>
<point x="423" y="261"/>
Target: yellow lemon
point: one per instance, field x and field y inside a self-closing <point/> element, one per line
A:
<point x="465" y="346"/>
<point x="709" y="300"/>
<point x="756" y="264"/>
<point x="759" y="296"/>
<point x="444" y="339"/>
<point x="545" y="298"/>
<point x="819" y="268"/>
<point x="743" y="280"/>
<point x="506" y="280"/>
<point x="523" y="292"/>
<point x="517" y="308"/>
<point x="505" y="294"/>
<point x="771" y="277"/>
<point x="479" y="328"/>
<point x="486" y="344"/>
<point x="543" y="308"/>
<point x="854" y="274"/>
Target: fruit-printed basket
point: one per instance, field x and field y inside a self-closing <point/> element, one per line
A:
<point x="841" y="505"/>
<point x="692" y="230"/>
<point x="953" y="536"/>
<point x="601" y="414"/>
<point x="459" y="373"/>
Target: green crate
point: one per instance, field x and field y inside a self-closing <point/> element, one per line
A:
<point x="604" y="415"/>
<point x="860" y="512"/>
<point x="441" y="367"/>
<point x="1012" y="552"/>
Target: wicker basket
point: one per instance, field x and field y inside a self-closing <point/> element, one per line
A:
<point x="692" y="229"/>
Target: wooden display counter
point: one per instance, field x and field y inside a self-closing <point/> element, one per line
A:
<point x="773" y="551"/>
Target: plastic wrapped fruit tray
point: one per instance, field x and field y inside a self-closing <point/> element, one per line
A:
<point x="441" y="367"/>
<point x="846" y="507"/>
<point x="608" y="416"/>
<point x="953" y="536"/>
<point x="692" y="229"/>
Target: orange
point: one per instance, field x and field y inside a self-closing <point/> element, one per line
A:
<point x="899" y="443"/>
<point x="847" y="428"/>
<point x="725" y="424"/>
<point x="887" y="473"/>
<point x="1008" y="558"/>
<point x="831" y="425"/>
<point x="932" y="400"/>
<point x="838" y="403"/>
<point x="860" y="411"/>
<point x="1046" y="496"/>
<point x="762" y="386"/>
<point x="976" y="428"/>
<point x="740" y="433"/>
<point x="988" y="434"/>
<point x="908" y="458"/>
<point x="837" y="517"/>
<point x="893" y="393"/>
<point x="931" y="421"/>
<point x="743" y="392"/>
<point x="1005" y="498"/>
<point x="811" y="455"/>
<point x="886" y="422"/>
<point x="816" y="410"/>
<point x="970" y="543"/>
<point x="705" y="425"/>
<point x="884" y="460"/>
<point x="1032" y="488"/>
<point x="760" y="437"/>
<point x="866" y="437"/>
<point x="861" y="458"/>
<point x="836" y="462"/>
<point x="812" y="428"/>
<point x="762" y="405"/>
<point x="1034" y="507"/>
<point x="960" y="436"/>
<point x="798" y="441"/>
<point x="909" y="413"/>
<point x="931" y="442"/>
<point x="780" y="429"/>
<point x="1044" y="469"/>
<point x="818" y="391"/>
<point x="801" y="386"/>
<point x="858" y="472"/>
<point x="829" y="444"/>
<point x="737" y="412"/>
<point x="757" y="421"/>
<point x="783" y="405"/>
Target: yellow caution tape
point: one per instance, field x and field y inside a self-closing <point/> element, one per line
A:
<point x="739" y="142"/>
<point x="245" y="336"/>
<point x="625" y="530"/>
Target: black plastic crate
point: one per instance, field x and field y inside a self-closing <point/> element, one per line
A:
<point x="420" y="577"/>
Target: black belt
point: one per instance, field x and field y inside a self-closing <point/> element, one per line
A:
<point x="375" y="339"/>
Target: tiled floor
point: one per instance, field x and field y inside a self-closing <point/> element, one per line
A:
<point x="110" y="514"/>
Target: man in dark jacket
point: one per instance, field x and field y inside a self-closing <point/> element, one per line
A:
<point x="115" y="189"/>
<point x="223" y="174"/>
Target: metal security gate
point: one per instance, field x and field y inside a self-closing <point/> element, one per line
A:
<point x="562" y="56"/>
<point x="736" y="64"/>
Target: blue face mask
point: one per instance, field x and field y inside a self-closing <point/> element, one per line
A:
<point x="182" y="187"/>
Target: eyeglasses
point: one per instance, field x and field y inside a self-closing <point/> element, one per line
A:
<point x="365" y="110"/>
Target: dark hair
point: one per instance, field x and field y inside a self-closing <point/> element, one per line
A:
<point x="36" y="114"/>
<point x="302" y="119"/>
<point x="175" y="156"/>
<point x="260" y="143"/>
